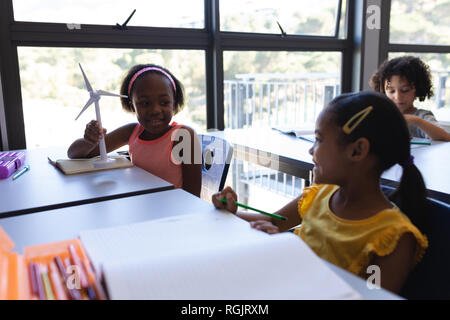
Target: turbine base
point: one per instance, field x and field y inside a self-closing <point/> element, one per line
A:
<point x="104" y="163"/>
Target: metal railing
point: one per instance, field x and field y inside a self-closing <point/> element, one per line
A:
<point x="271" y="102"/>
<point x="287" y="100"/>
<point x="441" y="96"/>
<point x="274" y="100"/>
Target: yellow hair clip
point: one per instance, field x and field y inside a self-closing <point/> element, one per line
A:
<point x="362" y="115"/>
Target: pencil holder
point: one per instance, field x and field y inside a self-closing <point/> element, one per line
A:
<point x="10" y="161"/>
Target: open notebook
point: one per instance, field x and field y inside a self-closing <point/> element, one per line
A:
<point x="214" y="256"/>
<point x="75" y="166"/>
<point x="306" y="132"/>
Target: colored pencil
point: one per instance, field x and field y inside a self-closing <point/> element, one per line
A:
<point x="420" y="142"/>
<point x="39" y="283"/>
<point x="78" y="289"/>
<point x="46" y="281"/>
<point x="21" y="172"/>
<point x="93" y="279"/>
<point x="224" y="200"/>
<point x="57" y="282"/>
<point x="77" y="261"/>
<point x="33" y="280"/>
<point x="73" y="293"/>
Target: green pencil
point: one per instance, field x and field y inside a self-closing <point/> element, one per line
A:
<point x="224" y="200"/>
<point x="21" y="172"/>
<point x="419" y="142"/>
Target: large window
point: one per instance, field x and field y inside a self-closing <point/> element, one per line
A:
<point x="282" y="89"/>
<point x="167" y="13"/>
<point x="53" y="90"/>
<point x="422" y="28"/>
<point x="52" y="37"/>
<point x="420" y="22"/>
<point x="299" y="17"/>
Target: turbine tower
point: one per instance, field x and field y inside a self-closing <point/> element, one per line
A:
<point x="95" y="95"/>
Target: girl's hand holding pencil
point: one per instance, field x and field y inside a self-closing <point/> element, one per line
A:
<point x="227" y="200"/>
<point x="231" y="199"/>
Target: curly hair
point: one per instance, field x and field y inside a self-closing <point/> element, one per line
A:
<point x="127" y="104"/>
<point x="412" y="68"/>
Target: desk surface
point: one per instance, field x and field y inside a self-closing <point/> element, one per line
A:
<point x="266" y="146"/>
<point x="66" y="223"/>
<point x="44" y="187"/>
<point x="434" y="163"/>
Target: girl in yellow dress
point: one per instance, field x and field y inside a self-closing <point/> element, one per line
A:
<point x="344" y="216"/>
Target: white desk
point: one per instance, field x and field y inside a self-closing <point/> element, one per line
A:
<point x="288" y="154"/>
<point x="44" y="187"/>
<point x="434" y="163"/>
<point x="66" y="223"/>
<point x="271" y="149"/>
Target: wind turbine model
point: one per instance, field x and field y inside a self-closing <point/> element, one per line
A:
<point x="104" y="161"/>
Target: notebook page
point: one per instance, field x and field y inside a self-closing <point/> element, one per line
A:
<point x="170" y="259"/>
<point x="168" y="236"/>
<point x="282" y="268"/>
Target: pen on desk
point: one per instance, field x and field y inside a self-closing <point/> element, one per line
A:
<point x="39" y="283"/>
<point x="46" y="281"/>
<point x="21" y="172"/>
<point x="53" y="163"/>
<point x="77" y="261"/>
<point x="33" y="280"/>
<point x="93" y="278"/>
<point x="57" y="282"/>
<point x="224" y="200"/>
<point x="91" y="293"/>
<point x="73" y="293"/>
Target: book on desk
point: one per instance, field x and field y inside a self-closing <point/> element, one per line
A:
<point x="209" y="257"/>
<point x="305" y="132"/>
<point x="76" y="166"/>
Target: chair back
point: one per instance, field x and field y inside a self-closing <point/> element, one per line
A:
<point x="216" y="159"/>
<point x="429" y="279"/>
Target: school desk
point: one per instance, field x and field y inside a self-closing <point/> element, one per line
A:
<point x="44" y="187"/>
<point x="272" y="149"/>
<point x="433" y="162"/>
<point x="66" y="223"/>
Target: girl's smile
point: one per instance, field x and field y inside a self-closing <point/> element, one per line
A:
<point x="153" y="100"/>
<point x="328" y="154"/>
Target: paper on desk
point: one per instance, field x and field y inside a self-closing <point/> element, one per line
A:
<point x="306" y="132"/>
<point x="209" y="257"/>
<point x="75" y="166"/>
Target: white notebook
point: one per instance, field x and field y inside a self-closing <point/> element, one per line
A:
<point x="305" y="132"/>
<point x="76" y="166"/>
<point x="209" y="257"/>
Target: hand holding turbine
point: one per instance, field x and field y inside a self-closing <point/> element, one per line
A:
<point x="95" y="95"/>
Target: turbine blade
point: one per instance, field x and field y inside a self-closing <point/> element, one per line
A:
<point x="90" y="101"/>
<point x="105" y="93"/>
<point x="86" y="81"/>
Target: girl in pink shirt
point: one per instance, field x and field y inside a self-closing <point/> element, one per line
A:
<point x="164" y="148"/>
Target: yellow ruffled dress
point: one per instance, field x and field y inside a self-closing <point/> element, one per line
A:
<point x="351" y="244"/>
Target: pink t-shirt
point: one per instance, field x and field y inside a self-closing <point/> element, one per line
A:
<point x="155" y="156"/>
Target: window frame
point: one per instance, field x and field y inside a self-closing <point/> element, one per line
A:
<point x="210" y="39"/>
<point x="402" y="47"/>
